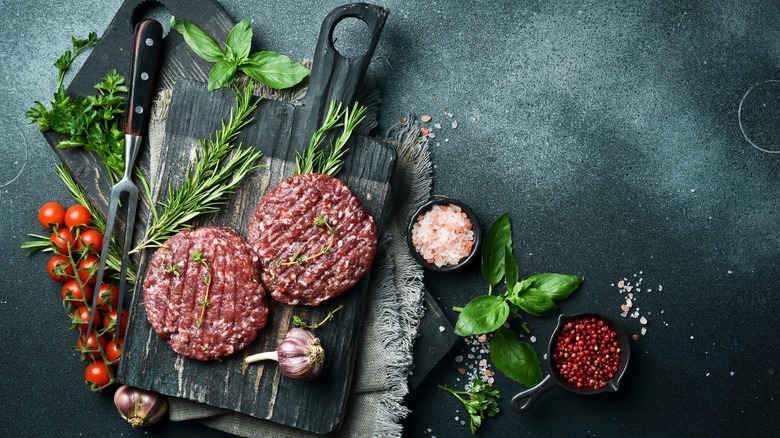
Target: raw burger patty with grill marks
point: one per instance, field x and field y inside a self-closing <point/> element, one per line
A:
<point x="314" y="238"/>
<point x="175" y="293"/>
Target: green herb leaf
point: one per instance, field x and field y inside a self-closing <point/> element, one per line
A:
<point x="511" y="269"/>
<point x="516" y="359"/>
<point x="240" y="39"/>
<point x="533" y="301"/>
<point x="481" y="401"/>
<point x="198" y="40"/>
<point x="91" y="40"/>
<point x="274" y="70"/>
<point x="498" y="237"/>
<point x="222" y="75"/>
<point x="555" y="286"/>
<point x="482" y="315"/>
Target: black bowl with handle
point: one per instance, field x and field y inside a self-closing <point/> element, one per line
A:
<point x="524" y="400"/>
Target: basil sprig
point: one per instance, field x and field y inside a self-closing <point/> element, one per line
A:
<point x="536" y="295"/>
<point x="269" y="68"/>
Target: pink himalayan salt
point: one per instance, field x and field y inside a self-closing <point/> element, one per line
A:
<point x="443" y="235"/>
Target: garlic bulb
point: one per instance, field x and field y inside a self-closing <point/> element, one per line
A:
<point x="140" y="407"/>
<point x="300" y="355"/>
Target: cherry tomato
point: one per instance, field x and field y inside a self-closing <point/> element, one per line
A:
<point x="109" y="294"/>
<point x="92" y="239"/>
<point x="91" y="348"/>
<point x="63" y="240"/>
<point x="51" y="213"/>
<point x="97" y="373"/>
<point x="81" y="319"/>
<point x="114" y="349"/>
<point x="88" y="269"/>
<point x="110" y="317"/>
<point x="55" y="273"/>
<point x="77" y="216"/>
<point x="73" y="293"/>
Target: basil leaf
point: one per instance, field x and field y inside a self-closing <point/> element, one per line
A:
<point x="240" y="39"/>
<point x="221" y="75"/>
<point x="273" y="69"/>
<point x="510" y="268"/>
<point x="199" y="41"/>
<point x="556" y="286"/>
<point x="482" y="315"/>
<point x="498" y="237"/>
<point x="516" y="359"/>
<point x="535" y="302"/>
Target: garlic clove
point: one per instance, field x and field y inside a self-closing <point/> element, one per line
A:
<point x="140" y="407"/>
<point x="300" y="355"/>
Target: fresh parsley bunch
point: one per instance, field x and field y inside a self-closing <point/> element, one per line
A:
<point x="90" y="122"/>
<point x="536" y="295"/>
<point x="269" y="68"/>
<point x="481" y="401"/>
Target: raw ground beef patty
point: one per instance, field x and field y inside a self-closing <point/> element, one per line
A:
<point x="314" y="238"/>
<point x="175" y="293"/>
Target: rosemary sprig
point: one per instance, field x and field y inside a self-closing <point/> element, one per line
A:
<point x="41" y="243"/>
<point x="335" y="160"/>
<point x="314" y="160"/>
<point x="210" y="179"/>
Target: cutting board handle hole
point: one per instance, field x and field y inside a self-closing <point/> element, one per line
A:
<point x="154" y="10"/>
<point x="351" y="37"/>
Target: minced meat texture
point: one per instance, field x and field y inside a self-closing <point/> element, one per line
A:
<point x="175" y="293"/>
<point x="314" y="238"/>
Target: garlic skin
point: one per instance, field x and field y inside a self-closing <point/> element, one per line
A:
<point x="140" y="407"/>
<point x="300" y="355"/>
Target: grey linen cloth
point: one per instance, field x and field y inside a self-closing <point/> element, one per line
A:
<point x="394" y="310"/>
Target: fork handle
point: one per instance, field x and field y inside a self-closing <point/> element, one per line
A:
<point x="147" y="48"/>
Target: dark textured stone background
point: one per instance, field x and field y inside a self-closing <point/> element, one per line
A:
<point x="609" y="132"/>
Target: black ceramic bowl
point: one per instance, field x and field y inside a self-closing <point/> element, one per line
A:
<point x="555" y="379"/>
<point x="443" y="200"/>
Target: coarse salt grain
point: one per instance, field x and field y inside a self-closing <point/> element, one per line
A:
<point x="425" y="118"/>
<point x="443" y="235"/>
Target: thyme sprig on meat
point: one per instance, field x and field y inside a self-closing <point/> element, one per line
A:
<point x="199" y="257"/>
<point x="297" y="259"/>
<point x="314" y="159"/>
<point x="210" y="179"/>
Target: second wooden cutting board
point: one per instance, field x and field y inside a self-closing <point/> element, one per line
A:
<point x="278" y="130"/>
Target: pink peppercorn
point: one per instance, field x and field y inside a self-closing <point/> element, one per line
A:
<point x="586" y="353"/>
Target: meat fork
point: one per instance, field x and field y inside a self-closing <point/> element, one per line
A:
<point x="147" y="47"/>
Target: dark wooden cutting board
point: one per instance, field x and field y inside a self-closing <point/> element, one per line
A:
<point x="278" y="131"/>
<point x="258" y="389"/>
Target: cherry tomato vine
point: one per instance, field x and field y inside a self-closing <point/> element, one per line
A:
<point x="75" y="244"/>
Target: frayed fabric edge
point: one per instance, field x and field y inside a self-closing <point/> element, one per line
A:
<point x="400" y="296"/>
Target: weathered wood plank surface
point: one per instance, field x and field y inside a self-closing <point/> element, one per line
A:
<point x="278" y="130"/>
<point x="258" y="389"/>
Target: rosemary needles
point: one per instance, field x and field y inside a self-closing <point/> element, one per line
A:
<point x="210" y="179"/>
<point x="314" y="159"/>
